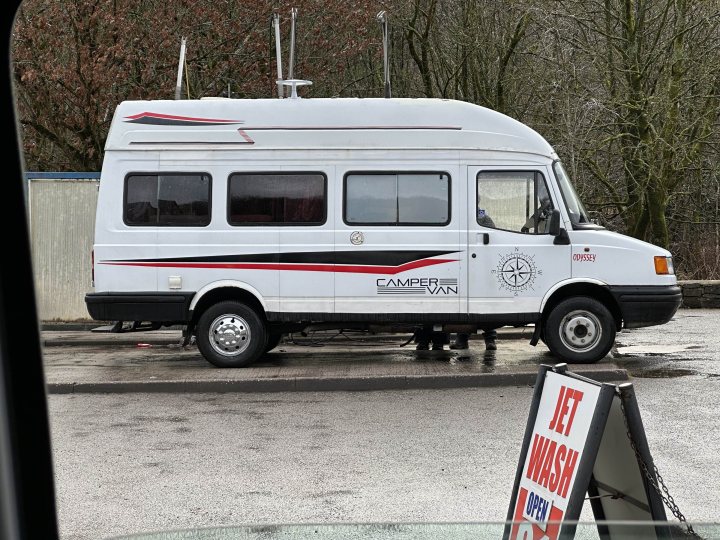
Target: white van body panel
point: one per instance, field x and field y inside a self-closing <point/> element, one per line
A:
<point x="270" y="124"/>
<point x="616" y="259"/>
<point x="573" y="281"/>
<point x="114" y="241"/>
<point x="267" y="304"/>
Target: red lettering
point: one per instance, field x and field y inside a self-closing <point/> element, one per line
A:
<point x="561" y="410"/>
<point x="547" y="465"/>
<point x="556" y="415"/>
<point x="559" y="458"/>
<point x="537" y="456"/>
<point x="551" y="465"/>
<point x="584" y="257"/>
<point x="577" y="396"/>
<point x="563" y="407"/>
<point x="567" y="473"/>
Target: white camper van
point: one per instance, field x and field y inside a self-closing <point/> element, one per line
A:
<point x="246" y="219"/>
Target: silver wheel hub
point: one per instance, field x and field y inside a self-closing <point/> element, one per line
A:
<point x="229" y="335"/>
<point x="580" y="331"/>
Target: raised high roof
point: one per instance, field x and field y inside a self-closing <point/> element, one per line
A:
<point x="339" y="123"/>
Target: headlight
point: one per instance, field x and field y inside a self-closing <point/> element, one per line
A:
<point x="664" y="266"/>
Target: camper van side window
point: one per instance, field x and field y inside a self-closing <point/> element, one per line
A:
<point x="169" y="199"/>
<point x="277" y="199"/>
<point x="516" y="201"/>
<point x="390" y="198"/>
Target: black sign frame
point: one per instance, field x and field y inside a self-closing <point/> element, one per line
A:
<point x="602" y="496"/>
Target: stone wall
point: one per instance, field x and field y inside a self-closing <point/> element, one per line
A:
<point x="700" y="294"/>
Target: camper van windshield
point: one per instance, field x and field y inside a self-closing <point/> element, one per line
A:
<point x="575" y="208"/>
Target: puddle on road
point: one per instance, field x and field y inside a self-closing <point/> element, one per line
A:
<point x="653" y="350"/>
<point x="650" y="361"/>
<point x="663" y="373"/>
<point x="654" y="368"/>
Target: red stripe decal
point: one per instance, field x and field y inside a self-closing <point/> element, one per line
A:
<point x="345" y="268"/>
<point x="245" y="136"/>
<point x="185" y="118"/>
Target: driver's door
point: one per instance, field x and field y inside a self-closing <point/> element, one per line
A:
<point x="512" y="261"/>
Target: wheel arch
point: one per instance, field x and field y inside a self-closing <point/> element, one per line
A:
<point x="220" y="291"/>
<point x="591" y="288"/>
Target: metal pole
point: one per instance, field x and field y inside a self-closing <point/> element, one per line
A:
<point x="278" y="57"/>
<point x="382" y="17"/>
<point x="291" y="66"/>
<point x="181" y="65"/>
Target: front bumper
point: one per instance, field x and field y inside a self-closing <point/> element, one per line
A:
<point x="647" y="305"/>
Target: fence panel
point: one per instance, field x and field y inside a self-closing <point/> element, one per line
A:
<point x="62" y="224"/>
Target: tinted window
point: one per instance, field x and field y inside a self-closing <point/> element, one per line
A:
<point x="514" y="201"/>
<point x="167" y="199"/>
<point x="371" y="198"/>
<point x="397" y="198"/>
<point x="272" y="198"/>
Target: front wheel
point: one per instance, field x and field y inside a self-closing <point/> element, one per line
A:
<point x="273" y="341"/>
<point x="231" y="334"/>
<point x="580" y="330"/>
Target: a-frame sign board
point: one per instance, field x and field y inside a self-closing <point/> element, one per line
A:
<point x="577" y="444"/>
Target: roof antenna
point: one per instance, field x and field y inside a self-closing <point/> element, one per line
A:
<point x="278" y="57"/>
<point x="291" y="65"/>
<point x="383" y="20"/>
<point x="181" y="65"/>
<point x="291" y="81"/>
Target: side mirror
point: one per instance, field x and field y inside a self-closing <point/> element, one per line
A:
<point x="561" y="236"/>
<point x="554" y="226"/>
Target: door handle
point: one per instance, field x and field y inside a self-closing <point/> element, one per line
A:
<point x="482" y="238"/>
<point x="485" y="237"/>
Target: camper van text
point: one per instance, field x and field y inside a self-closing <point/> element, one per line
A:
<point x="417" y="286"/>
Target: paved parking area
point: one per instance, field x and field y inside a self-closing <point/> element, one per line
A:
<point x="85" y="362"/>
<point x="144" y="461"/>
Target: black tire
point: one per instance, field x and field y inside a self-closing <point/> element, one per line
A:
<point x="272" y="341"/>
<point x="580" y="330"/>
<point x="239" y="335"/>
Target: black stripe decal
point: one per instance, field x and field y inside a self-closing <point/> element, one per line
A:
<point x="372" y="258"/>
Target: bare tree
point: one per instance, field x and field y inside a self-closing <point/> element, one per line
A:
<point x="655" y="97"/>
<point x="76" y="60"/>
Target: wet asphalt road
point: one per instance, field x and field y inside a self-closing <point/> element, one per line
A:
<point x="138" y="462"/>
<point x="80" y="362"/>
<point x="688" y="346"/>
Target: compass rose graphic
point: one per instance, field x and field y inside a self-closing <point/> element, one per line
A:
<point x="516" y="272"/>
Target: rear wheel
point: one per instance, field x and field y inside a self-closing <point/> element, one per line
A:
<point x="231" y="334"/>
<point x="580" y="330"/>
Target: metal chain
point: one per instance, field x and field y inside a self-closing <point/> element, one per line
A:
<point x="655" y="479"/>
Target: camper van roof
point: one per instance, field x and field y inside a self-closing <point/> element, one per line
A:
<point x="339" y="123"/>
